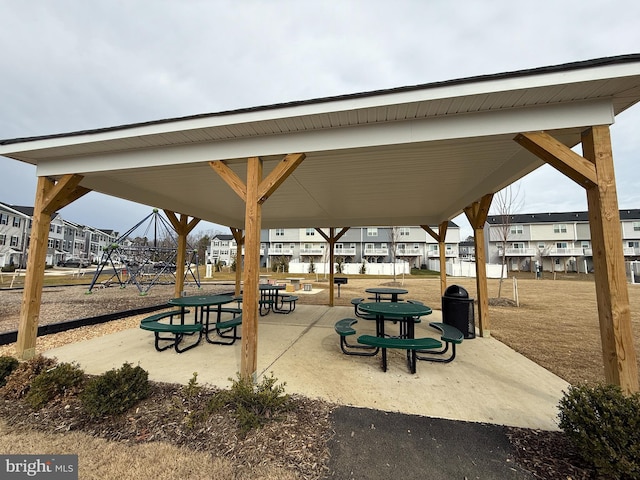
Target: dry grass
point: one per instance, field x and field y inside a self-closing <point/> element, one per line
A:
<point x="100" y="459"/>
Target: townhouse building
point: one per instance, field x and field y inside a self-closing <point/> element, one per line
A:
<point x="15" y="225"/>
<point x="358" y="244"/>
<point x="553" y="242"/>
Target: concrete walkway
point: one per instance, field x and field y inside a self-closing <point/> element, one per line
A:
<point x="487" y="382"/>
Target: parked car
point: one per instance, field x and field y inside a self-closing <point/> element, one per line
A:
<point x="75" y="263"/>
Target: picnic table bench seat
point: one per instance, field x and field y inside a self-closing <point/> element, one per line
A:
<point x="344" y="328"/>
<point x="289" y="300"/>
<point x="177" y="331"/>
<point x="448" y="334"/>
<point x="410" y="344"/>
<point x="222" y="329"/>
<point x="357" y="301"/>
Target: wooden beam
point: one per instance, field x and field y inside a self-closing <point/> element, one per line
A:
<point x="559" y="156"/>
<point x="230" y="178"/>
<point x="332" y="238"/>
<point x="440" y="238"/>
<point x="239" y="238"/>
<point x="183" y="227"/>
<point x="442" y="231"/>
<point x="50" y="196"/>
<point x="619" y="355"/>
<point x="279" y="174"/>
<point x="254" y="194"/>
<point x="477" y="214"/>
<point x="250" y="295"/>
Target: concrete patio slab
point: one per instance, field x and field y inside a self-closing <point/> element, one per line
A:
<point x="487" y="382"/>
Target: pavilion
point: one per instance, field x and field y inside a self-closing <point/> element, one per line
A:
<point x="416" y="155"/>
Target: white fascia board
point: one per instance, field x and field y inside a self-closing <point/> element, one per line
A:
<point x="499" y="122"/>
<point x="375" y="100"/>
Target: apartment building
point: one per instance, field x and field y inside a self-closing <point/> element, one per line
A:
<point x="370" y="244"/>
<point x="554" y="242"/>
<point x="15" y="224"/>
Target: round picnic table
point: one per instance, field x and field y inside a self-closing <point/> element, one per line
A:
<point x="394" y="292"/>
<point x="403" y="312"/>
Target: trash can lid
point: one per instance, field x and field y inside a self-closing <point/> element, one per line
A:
<point x="456" y="291"/>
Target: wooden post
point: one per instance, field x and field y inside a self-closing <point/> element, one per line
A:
<point x="595" y="173"/>
<point x="239" y="238"/>
<point x="619" y="356"/>
<point x="332" y="239"/>
<point x="182" y="227"/>
<point x="477" y="215"/>
<point x="50" y="196"/>
<point x="440" y="238"/>
<point x="255" y="192"/>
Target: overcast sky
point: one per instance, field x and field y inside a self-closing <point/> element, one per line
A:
<point x="71" y="65"/>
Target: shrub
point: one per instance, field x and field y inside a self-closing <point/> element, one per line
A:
<point x="253" y="406"/>
<point x="19" y="382"/>
<point x="63" y="379"/>
<point x="7" y="366"/>
<point x="604" y="425"/>
<point x="115" y="391"/>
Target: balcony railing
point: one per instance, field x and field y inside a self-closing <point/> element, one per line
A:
<point x="312" y="251"/>
<point x="521" y="252"/>
<point x="436" y="254"/>
<point x="281" y="251"/>
<point x="376" y="251"/>
<point x="631" y="251"/>
<point x="409" y="252"/>
<point x="563" y="252"/>
<point x="344" y="251"/>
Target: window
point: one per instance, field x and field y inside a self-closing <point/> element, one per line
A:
<point x="51" y="244"/>
<point x="433" y="247"/>
<point x="634" y="244"/>
<point x="14" y="241"/>
<point x="416" y="246"/>
<point x="58" y="229"/>
<point x="562" y="245"/>
<point x="338" y="246"/>
<point x="4" y="219"/>
<point x="404" y="231"/>
<point x="310" y="232"/>
<point x="16" y="221"/>
<point x="585" y="244"/>
<point x="516" y="230"/>
<point x="636" y="226"/>
<point x="3" y="239"/>
<point x="279" y="232"/>
<point x="560" y="228"/>
<point x="541" y="246"/>
<point x="372" y="232"/>
<point x="517" y="245"/>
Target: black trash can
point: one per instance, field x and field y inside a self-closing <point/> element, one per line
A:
<point x="457" y="310"/>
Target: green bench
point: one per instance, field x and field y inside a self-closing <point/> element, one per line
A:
<point x="357" y="301"/>
<point x="289" y="300"/>
<point x="222" y="329"/>
<point x="177" y="331"/>
<point x="448" y="334"/>
<point x="411" y="345"/>
<point x="344" y="329"/>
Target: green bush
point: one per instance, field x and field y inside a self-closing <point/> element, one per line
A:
<point x="63" y="379"/>
<point x="19" y="382"/>
<point x="115" y="391"/>
<point x="252" y="405"/>
<point x="604" y="425"/>
<point x="7" y="366"/>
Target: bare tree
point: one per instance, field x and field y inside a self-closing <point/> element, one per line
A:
<point x="506" y="203"/>
<point x="394" y="234"/>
